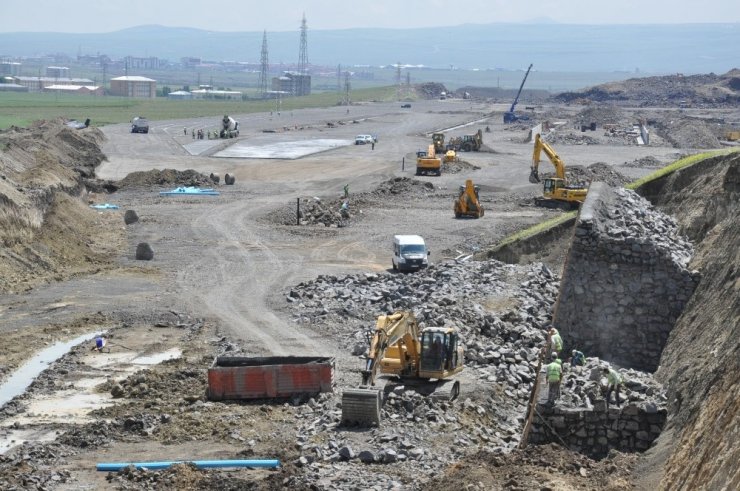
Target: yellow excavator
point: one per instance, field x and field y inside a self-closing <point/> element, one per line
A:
<point x="428" y="162"/>
<point x="557" y="193"/>
<point x="468" y="203"/>
<point x="399" y="347"/>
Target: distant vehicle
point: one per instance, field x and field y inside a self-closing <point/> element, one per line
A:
<point x="77" y="125"/>
<point x="139" y="125"/>
<point x="365" y="139"/>
<point x="229" y="127"/>
<point x="406" y="106"/>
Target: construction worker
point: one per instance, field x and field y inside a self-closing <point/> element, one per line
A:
<point x="554" y="375"/>
<point x="577" y="359"/>
<point x="556" y="342"/>
<point x="100" y="343"/>
<point x="613" y="381"/>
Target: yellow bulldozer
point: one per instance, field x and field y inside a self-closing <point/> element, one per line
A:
<point x="467" y="203"/>
<point x="425" y="359"/>
<point x="428" y="162"/>
<point x="557" y="192"/>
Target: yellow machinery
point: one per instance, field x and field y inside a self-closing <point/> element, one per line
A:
<point x="450" y="156"/>
<point x="438" y="139"/>
<point x="400" y="348"/>
<point x="468" y="203"/>
<point x="557" y="193"/>
<point x="428" y="163"/>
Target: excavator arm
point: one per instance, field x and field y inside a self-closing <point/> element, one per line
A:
<point x="398" y="330"/>
<point x="539" y="147"/>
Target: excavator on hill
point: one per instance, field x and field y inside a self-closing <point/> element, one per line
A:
<point x="399" y="347"/>
<point x="510" y="116"/>
<point x="557" y="192"/>
<point x="468" y="203"/>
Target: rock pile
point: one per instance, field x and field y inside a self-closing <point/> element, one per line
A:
<point x="595" y="172"/>
<point x="644" y="162"/>
<point x="600" y="114"/>
<point x="458" y="166"/>
<point x="626" y="281"/>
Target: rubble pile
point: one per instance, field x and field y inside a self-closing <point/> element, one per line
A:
<point x="33" y="466"/>
<point x="405" y="186"/>
<point x="429" y="90"/>
<point x="598" y="171"/>
<point x="571" y="138"/>
<point x="644" y="162"/>
<point x="458" y="166"/>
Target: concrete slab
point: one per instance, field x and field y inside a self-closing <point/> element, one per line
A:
<point x="200" y="146"/>
<point x="282" y="150"/>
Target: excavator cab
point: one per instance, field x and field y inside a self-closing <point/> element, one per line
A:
<point x="439" y="351"/>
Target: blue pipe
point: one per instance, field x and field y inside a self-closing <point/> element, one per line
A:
<point x="200" y="464"/>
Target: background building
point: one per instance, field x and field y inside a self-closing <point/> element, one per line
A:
<point x="37" y="84"/>
<point x="292" y="83"/>
<point x="75" y="89"/>
<point x="134" y="86"/>
<point x="10" y="68"/>
<point x="57" y="72"/>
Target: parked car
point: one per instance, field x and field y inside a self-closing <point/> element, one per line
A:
<point x="365" y="139"/>
<point x="406" y="106"/>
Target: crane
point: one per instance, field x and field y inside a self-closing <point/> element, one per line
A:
<point x="510" y="116"/>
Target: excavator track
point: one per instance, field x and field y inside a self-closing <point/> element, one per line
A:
<point x="361" y="407"/>
<point x="446" y="390"/>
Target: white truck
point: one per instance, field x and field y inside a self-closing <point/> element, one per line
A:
<point x="229" y="127"/>
<point x="410" y="253"/>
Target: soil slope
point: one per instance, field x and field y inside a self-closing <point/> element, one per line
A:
<point x="701" y="362"/>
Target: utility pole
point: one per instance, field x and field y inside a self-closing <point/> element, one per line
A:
<point x="347" y="87"/>
<point x="398" y="80"/>
<point x="339" y="78"/>
<point x="264" y="68"/>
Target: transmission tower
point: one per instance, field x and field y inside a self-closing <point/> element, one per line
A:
<point x="398" y="80"/>
<point x="303" y="57"/>
<point x="408" y="84"/>
<point x="264" y="67"/>
<point x="347" y="100"/>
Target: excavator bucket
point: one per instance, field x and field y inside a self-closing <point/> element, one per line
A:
<point x="361" y="407"/>
<point x="534" y="176"/>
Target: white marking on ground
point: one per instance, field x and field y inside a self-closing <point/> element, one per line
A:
<point x="282" y="150"/>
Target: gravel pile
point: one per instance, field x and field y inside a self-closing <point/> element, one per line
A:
<point x="572" y="139"/>
<point x="594" y="172"/>
<point x="601" y="114"/>
<point x="458" y="166"/>
<point x="645" y="163"/>
<point x="688" y="134"/>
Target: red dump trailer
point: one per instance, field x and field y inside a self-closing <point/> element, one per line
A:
<point x="243" y="377"/>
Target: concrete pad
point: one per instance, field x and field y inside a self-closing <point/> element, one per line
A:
<point x="200" y="146"/>
<point x="283" y="150"/>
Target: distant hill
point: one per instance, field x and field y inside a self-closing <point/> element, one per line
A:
<point x="687" y="48"/>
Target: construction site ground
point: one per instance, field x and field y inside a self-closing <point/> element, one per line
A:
<point x="222" y="268"/>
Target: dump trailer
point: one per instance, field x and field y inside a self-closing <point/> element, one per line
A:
<point x="428" y="162"/>
<point x="467" y="203"/>
<point x="510" y="116"/>
<point x="229" y="127"/>
<point x="243" y="377"/>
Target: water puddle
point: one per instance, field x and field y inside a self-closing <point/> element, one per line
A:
<point x="74" y="403"/>
<point x="19" y="381"/>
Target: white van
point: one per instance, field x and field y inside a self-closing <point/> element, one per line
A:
<point x="410" y="253"/>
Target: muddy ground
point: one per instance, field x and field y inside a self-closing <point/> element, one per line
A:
<point x="222" y="268"/>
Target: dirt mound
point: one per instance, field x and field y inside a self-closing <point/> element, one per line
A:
<point x="600" y="114"/>
<point x="429" y="90"/>
<point x="46" y="230"/>
<point x="669" y="90"/>
<point x="572" y="139"/>
<point x="688" y="133"/>
<point x="166" y="177"/>
<point x="404" y="186"/>
<point x="538" y="467"/>
<point x="458" y="166"/>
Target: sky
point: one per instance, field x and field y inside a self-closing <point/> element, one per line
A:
<point x="84" y="16"/>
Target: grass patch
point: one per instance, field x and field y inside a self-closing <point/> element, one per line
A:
<point x="536" y="229"/>
<point x="21" y="109"/>
<point x="678" y="164"/>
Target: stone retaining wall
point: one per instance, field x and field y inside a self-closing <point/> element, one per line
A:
<point x="625" y="282"/>
<point x="597" y="430"/>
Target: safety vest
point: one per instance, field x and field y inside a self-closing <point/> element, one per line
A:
<point x="554" y="371"/>
<point x="613" y="378"/>
<point x="557" y="341"/>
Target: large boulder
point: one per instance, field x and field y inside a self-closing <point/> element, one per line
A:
<point x="144" y="252"/>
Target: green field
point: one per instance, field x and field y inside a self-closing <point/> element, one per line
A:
<point x="21" y="109"/>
